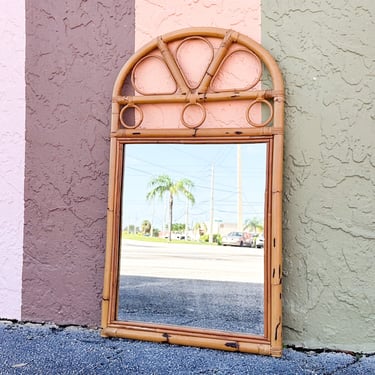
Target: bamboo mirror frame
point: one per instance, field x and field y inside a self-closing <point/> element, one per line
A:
<point x="197" y="95"/>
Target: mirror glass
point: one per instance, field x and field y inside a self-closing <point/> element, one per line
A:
<point x="196" y="259"/>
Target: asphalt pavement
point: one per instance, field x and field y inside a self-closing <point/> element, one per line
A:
<point x="47" y="349"/>
<point x="222" y="305"/>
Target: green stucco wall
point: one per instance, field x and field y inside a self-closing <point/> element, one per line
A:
<point x="326" y="51"/>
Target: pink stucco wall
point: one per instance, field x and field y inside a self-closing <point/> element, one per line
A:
<point x="157" y="18"/>
<point x="153" y="18"/>
<point x="12" y="154"/>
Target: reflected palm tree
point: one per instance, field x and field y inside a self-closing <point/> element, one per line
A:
<point x="165" y="185"/>
<point x="253" y="224"/>
<point x="146" y="227"/>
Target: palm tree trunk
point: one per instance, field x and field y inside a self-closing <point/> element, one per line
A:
<point x="170" y="216"/>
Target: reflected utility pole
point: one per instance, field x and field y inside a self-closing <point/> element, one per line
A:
<point x="239" y="190"/>
<point x="211" y="234"/>
<point x="187" y="219"/>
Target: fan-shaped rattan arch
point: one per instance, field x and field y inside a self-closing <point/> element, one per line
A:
<point x="205" y="91"/>
<point x="196" y="94"/>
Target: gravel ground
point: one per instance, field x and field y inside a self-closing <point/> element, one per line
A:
<point x="44" y="349"/>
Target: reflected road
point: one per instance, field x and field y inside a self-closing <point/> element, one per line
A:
<point x="190" y="261"/>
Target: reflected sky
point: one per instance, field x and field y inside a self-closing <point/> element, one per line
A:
<point x="199" y="163"/>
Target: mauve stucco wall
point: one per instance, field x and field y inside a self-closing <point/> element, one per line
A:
<point x="326" y="52"/>
<point x="74" y="52"/>
<point x="12" y="154"/>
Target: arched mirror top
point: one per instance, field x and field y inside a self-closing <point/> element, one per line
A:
<point x="199" y="71"/>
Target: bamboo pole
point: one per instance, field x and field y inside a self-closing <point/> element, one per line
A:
<point x="216" y="62"/>
<point x="276" y="317"/>
<point x="115" y="118"/>
<point x="172" y="65"/>
<point x="267" y="245"/>
<point x="233" y="345"/>
<point x="108" y="269"/>
<point x="194" y="134"/>
<point x="201" y="98"/>
<point x="276" y="254"/>
<point x="116" y="230"/>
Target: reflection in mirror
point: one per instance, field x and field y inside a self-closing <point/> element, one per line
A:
<point x="196" y="261"/>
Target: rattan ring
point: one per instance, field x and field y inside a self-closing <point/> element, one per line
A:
<point x="264" y="123"/>
<point x="124" y="124"/>
<point x="199" y="123"/>
<point x="246" y="87"/>
<point x="134" y="71"/>
<point x="178" y="52"/>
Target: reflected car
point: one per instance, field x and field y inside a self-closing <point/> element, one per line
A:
<point x="259" y="242"/>
<point x="236" y="239"/>
<point x="253" y="238"/>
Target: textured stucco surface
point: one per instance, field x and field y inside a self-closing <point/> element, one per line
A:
<point x="12" y="154"/>
<point x="73" y="54"/>
<point x="159" y="17"/>
<point x="155" y="18"/>
<point x="326" y="52"/>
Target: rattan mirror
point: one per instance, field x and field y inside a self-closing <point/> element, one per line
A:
<point x="187" y="97"/>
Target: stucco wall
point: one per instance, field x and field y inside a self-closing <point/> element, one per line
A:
<point x="74" y="51"/>
<point x="12" y="154"/>
<point x="159" y="17"/>
<point x="327" y="55"/>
